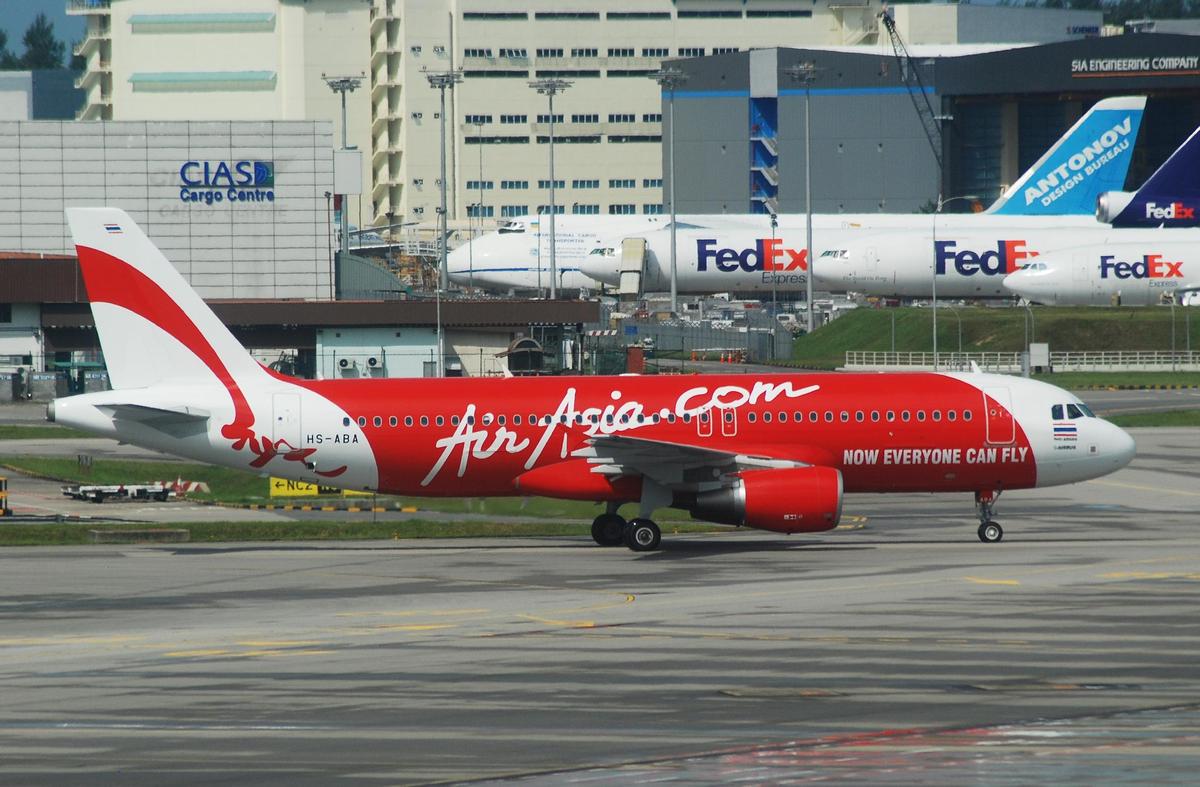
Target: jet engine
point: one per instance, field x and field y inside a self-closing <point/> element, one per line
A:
<point x="1110" y="204"/>
<point x="791" y="500"/>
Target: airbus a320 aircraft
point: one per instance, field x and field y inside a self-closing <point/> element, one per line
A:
<point x="1132" y="274"/>
<point x="744" y="253"/>
<point x="776" y="452"/>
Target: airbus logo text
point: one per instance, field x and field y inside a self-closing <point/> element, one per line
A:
<point x="1176" y="210"/>
<point x="1150" y="266"/>
<point x="1008" y="256"/>
<point x="767" y="254"/>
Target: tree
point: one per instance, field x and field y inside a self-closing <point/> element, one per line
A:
<point x="8" y="61"/>
<point x="42" y="49"/>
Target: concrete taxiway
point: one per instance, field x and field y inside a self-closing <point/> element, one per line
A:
<point x="897" y="649"/>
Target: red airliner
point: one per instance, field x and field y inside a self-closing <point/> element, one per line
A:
<point x="775" y="452"/>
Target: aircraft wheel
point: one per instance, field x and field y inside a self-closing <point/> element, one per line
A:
<point x="642" y="535"/>
<point x="608" y="530"/>
<point x="990" y="532"/>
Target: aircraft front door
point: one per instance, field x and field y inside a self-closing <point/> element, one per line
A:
<point x="997" y="404"/>
<point x="287" y="418"/>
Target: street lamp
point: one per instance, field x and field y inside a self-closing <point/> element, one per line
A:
<point x="442" y="80"/>
<point x="550" y="88"/>
<point x="806" y="73"/>
<point x="343" y="85"/>
<point x="479" y="210"/>
<point x="941" y="203"/>
<point x="670" y="79"/>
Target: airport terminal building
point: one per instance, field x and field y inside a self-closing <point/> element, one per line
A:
<point x="740" y="120"/>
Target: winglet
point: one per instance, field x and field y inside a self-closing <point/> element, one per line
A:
<point x="1091" y="158"/>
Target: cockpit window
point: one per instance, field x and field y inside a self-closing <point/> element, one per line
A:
<point x="1074" y="412"/>
<point x="511" y="227"/>
<point x="603" y="251"/>
<point x="834" y="254"/>
<point x="1086" y="410"/>
<point x="1056" y="412"/>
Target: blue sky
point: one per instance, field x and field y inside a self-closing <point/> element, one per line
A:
<point x="16" y="16"/>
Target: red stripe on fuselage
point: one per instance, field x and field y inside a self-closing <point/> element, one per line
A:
<point x="909" y="456"/>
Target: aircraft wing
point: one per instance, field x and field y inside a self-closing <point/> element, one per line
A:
<point x="675" y="465"/>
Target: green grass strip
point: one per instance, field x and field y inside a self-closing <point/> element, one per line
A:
<point x="1162" y="418"/>
<point x="40" y="432"/>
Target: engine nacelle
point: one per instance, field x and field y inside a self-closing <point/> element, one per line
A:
<point x="1110" y="204"/>
<point x="792" y="500"/>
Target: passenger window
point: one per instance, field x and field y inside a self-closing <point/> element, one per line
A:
<point x="859" y="416"/>
<point x="874" y="416"/>
<point x="728" y="416"/>
<point x="377" y="421"/>
<point x="904" y="416"/>
<point x="966" y="415"/>
<point x="487" y="419"/>
<point x="408" y="420"/>
<point x="937" y="415"/>
<point x="704" y="418"/>
<point x="533" y="420"/>
<point x="828" y="416"/>
<point x="454" y="420"/>
<point x="783" y="416"/>
<point x="687" y="418"/>
<point x="393" y="421"/>
<point x="845" y="417"/>
<point x="951" y="415"/>
<point x="751" y="417"/>
<point x="670" y="418"/>
<point x="891" y="415"/>
<point x="516" y="420"/>
<point x="440" y="421"/>
<point x="470" y="420"/>
<point x="1074" y="412"/>
<point x="424" y="420"/>
<point x="812" y="416"/>
<point x="767" y="417"/>
<point x="1056" y="412"/>
<point x="346" y="421"/>
<point x="362" y="420"/>
<point x="921" y="415"/>
<point x="500" y="420"/>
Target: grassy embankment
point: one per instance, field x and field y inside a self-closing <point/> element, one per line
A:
<point x="987" y="329"/>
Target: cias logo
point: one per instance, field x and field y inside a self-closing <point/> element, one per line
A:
<point x="1176" y="210"/>
<point x="1008" y="256"/>
<point x="211" y="182"/>
<point x="1150" y="266"/>
<point x="767" y="254"/>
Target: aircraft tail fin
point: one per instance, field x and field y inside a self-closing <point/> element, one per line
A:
<point x="1170" y="196"/>
<point x="1091" y="158"/>
<point x="152" y="325"/>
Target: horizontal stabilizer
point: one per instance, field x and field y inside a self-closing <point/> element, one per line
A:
<point x="155" y="414"/>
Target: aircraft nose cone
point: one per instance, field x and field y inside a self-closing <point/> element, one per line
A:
<point x="1025" y="284"/>
<point x="1119" y="445"/>
<point x="601" y="267"/>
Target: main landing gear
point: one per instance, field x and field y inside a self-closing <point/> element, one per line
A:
<point x="639" y="534"/>
<point x="608" y="530"/>
<point x="989" y="530"/>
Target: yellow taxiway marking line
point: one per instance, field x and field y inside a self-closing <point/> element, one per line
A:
<point x="188" y="654"/>
<point x="66" y="639"/>
<point x="281" y="643"/>
<point x="1145" y="488"/>
<point x="409" y="613"/>
<point x="413" y="626"/>
<point x="243" y="654"/>
<point x="1152" y="575"/>
<point x="982" y="581"/>
<point x="574" y="624"/>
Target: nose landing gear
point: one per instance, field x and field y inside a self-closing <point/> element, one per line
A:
<point x="989" y="531"/>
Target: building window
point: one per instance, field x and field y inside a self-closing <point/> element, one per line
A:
<point x="621" y="118"/>
<point x="511" y="211"/>
<point x="514" y="118"/>
<point x="691" y="51"/>
<point x="724" y="50"/>
<point x="585" y="139"/>
<point x="585" y="118"/>
<point x="566" y="15"/>
<point x="558" y="184"/>
<point x="480" y="211"/>
<point x="631" y="72"/>
<point x="558" y="209"/>
<point x="652" y="117"/>
<point x="514" y="184"/>
<point x="710" y="14"/>
<point x="620" y="52"/>
<point x="622" y="183"/>
<point x="655" y="51"/>
<point x="626" y="209"/>
<point x="518" y="52"/>
<point x="652" y="183"/>
<point x="546" y="118"/>
<point x="639" y="14"/>
<point x="494" y="15"/>
<point x="652" y="209"/>
<point x="494" y="73"/>
<point x="777" y="14"/>
<point x="496" y="140"/>
<point x="621" y="138"/>
<point x="585" y="52"/>
<point x="550" y="52"/>
<point x="585" y="210"/>
<point x="478" y="120"/>
<point x="477" y="52"/>
<point x="585" y="184"/>
<point x="6" y="312"/>
<point x="476" y="185"/>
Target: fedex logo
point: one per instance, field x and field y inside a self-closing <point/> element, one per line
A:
<point x="1176" y="210"/>
<point x="1150" y="266"/>
<point x="767" y="254"/>
<point x="1007" y="257"/>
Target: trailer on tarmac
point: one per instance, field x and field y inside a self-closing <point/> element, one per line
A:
<point x="98" y="493"/>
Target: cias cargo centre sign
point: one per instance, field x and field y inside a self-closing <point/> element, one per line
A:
<point x="212" y="182"/>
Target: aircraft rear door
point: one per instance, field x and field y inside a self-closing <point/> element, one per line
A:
<point x="287" y="419"/>
<point x="997" y="404"/>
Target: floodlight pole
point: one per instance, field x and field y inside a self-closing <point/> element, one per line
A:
<point x="442" y="80"/>
<point x="343" y="85"/>
<point x="807" y="74"/>
<point x="670" y="79"/>
<point x="549" y="88"/>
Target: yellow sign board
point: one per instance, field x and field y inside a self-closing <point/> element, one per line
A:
<point x="283" y="487"/>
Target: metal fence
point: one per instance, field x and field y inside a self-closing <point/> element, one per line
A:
<point x="752" y="343"/>
<point x="1011" y="362"/>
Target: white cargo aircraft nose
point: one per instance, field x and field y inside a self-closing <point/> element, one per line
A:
<point x="601" y="264"/>
<point x="1040" y="282"/>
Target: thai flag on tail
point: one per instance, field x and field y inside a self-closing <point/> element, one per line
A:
<point x="1065" y="431"/>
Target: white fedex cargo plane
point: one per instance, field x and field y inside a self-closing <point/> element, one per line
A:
<point x="776" y="452"/>
<point x="720" y="253"/>
<point x="1133" y="274"/>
